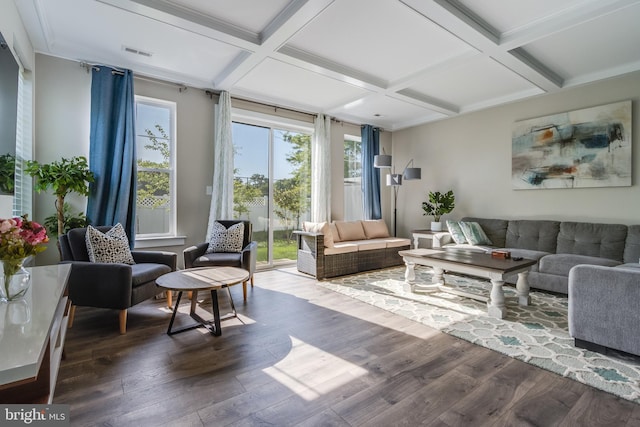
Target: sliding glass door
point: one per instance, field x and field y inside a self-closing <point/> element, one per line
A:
<point x="272" y="186"/>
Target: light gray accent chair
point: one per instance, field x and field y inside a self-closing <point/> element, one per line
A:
<point x="603" y="302"/>
<point x="603" y="307"/>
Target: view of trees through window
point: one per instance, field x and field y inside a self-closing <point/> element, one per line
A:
<point x="353" y="179"/>
<point x="153" y="146"/>
<point x="272" y="179"/>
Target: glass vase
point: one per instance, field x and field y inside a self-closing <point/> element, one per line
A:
<point x="15" y="280"/>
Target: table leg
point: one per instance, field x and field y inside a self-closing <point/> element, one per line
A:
<point x="217" y="329"/>
<point x="212" y="325"/>
<point x="522" y="289"/>
<point x="409" y="276"/>
<point x="416" y="242"/>
<point x="496" y="307"/>
<point x="173" y="315"/>
<point x="438" y="276"/>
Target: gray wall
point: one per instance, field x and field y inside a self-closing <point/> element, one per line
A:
<point x="471" y="155"/>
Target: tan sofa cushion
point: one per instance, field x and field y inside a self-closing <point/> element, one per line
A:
<point x="396" y="242"/>
<point x="350" y="230"/>
<point x="341" y="248"/>
<point x="367" y="245"/>
<point x="320" y="227"/>
<point x="375" y="228"/>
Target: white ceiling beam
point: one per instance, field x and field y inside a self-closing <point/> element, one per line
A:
<point x="461" y="22"/>
<point x="291" y="20"/>
<point x="167" y="13"/>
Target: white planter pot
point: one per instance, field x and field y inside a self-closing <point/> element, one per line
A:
<point x="436" y="226"/>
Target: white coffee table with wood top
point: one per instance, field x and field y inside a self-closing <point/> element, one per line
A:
<point x="475" y="264"/>
<point x="202" y="279"/>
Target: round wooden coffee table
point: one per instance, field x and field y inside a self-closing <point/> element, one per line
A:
<point x="202" y="279"/>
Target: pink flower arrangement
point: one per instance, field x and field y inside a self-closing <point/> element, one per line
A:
<point x="20" y="238"/>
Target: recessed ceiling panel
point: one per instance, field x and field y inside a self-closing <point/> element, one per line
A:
<point x="385" y="111"/>
<point x="251" y="15"/>
<point x="171" y="48"/>
<point x="479" y="80"/>
<point x="385" y="38"/>
<point x="505" y="16"/>
<point x="594" y="47"/>
<point x="276" y="80"/>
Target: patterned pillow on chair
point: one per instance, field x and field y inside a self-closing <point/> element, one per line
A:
<point x="224" y="239"/>
<point x="111" y="247"/>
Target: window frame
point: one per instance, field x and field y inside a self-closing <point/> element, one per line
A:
<point x="169" y="238"/>
<point x="352" y="138"/>
<point x="272" y="122"/>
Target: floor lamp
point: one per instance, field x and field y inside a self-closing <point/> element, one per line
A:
<point x="384" y="161"/>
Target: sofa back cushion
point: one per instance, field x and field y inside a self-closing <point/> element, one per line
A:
<point x="533" y="235"/>
<point x="495" y="229"/>
<point x="375" y="228"/>
<point x="592" y="239"/>
<point x="632" y="245"/>
<point x="350" y="230"/>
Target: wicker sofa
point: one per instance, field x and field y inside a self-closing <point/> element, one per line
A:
<point x="347" y="247"/>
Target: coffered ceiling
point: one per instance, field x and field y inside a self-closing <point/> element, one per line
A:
<point x="390" y="63"/>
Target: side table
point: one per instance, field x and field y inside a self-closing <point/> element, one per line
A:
<point x="202" y="279"/>
<point x="424" y="234"/>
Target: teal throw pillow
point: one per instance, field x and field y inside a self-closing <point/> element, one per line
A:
<point x="474" y="233"/>
<point x="456" y="232"/>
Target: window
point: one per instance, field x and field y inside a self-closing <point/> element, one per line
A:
<point x="352" y="178"/>
<point x="272" y="181"/>
<point x="155" y="148"/>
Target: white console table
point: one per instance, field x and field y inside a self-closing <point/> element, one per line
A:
<point x="32" y="333"/>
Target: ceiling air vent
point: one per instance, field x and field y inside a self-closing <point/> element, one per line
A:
<point x="137" y="51"/>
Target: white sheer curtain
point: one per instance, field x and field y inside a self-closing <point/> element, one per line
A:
<point x="222" y="194"/>
<point x="321" y="170"/>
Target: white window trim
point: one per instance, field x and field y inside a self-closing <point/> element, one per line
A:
<point x="171" y="238"/>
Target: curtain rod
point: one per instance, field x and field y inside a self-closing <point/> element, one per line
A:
<point x="210" y="92"/>
<point x="89" y="66"/>
<point x="277" y="107"/>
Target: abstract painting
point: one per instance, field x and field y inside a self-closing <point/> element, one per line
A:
<point x="582" y="148"/>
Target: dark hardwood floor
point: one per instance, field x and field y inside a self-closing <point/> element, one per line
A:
<point x="303" y="355"/>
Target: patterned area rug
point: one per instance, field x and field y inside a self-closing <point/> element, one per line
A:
<point x="537" y="334"/>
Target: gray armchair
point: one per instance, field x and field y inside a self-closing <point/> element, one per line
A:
<point x="114" y="286"/>
<point x="603" y="307"/>
<point x="196" y="256"/>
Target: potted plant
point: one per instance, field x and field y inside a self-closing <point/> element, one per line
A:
<point x="71" y="220"/>
<point x="63" y="177"/>
<point x="438" y="205"/>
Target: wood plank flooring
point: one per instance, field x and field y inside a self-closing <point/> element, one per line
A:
<point x="300" y="355"/>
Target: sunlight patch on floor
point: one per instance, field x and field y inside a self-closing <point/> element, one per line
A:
<point x="298" y="371"/>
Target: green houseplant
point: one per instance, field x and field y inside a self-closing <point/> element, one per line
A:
<point x="63" y="177"/>
<point x="7" y="173"/>
<point x="439" y="204"/>
<point x="71" y="220"/>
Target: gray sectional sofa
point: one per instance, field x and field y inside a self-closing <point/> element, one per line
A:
<point x="558" y="246"/>
<point x="597" y="265"/>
